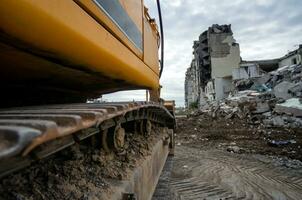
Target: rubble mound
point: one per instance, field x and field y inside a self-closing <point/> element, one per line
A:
<point x="274" y="99"/>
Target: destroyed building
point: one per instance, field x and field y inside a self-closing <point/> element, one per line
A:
<point x="215" y="55"/>
<point x="267" y="92"/>
<point x="217" y="70"/>
<point x="291" y="58"/>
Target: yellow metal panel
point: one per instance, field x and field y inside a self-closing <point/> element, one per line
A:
<point x="103" y="19"/>
<point x="151" y="41"/>
<point x="63" y="29"/>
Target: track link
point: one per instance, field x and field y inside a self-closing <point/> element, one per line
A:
<point x="28" y="134"/>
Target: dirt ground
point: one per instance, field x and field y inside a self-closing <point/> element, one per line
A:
<point x="238" y="136"/>
<point x="231" y="159"/>
<point x="214" y="159"/>
<point x="78" y="172"/>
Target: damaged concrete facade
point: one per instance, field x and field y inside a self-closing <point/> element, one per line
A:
<point x="218" y="71"/>
<point x="291" y="58"/>
<point x="215" y="55"/>
<point x="272" y="99"/>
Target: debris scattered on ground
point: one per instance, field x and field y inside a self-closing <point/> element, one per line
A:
<point x="273" y="100"/>
<point x="234" y="149"/>
<point x="277" y="143"/>
<point x="229" y="158"/>
<point x="238" y="135"/>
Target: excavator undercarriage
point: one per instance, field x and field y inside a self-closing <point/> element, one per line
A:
<point x="56" y="55"/>
<point x="30" y="135"/>
<point x="33" y="133"/>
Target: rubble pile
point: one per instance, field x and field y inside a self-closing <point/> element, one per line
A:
<point x="274" y="99"/>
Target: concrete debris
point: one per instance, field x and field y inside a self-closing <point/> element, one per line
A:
<point x="282" y="90"/>
<point x="292" y="106"/>
<point x="241" y="136"/>
<point x="262" y="107"/>
<point x="279" y="143"/>
<point x="217" y="71"/>
<point x="234" y="149"/>
<point x="272" y="100"/>
<point x="296" y="90"/>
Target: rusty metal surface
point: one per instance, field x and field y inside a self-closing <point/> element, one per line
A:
<point x="24" y="129"/>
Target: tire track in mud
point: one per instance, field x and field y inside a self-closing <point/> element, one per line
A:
<point x="163" y="188"/>
<point x="215" y="174"/>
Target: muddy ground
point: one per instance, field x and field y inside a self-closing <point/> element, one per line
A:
<point x="214" y="159"/>
<point x="238" y="136"/>
<point x="232" y="159"/>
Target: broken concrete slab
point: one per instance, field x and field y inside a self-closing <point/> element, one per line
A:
<point x="262" y="79"/>
<point x="296" y="89"/>
<point x="291" y="106"/>
<point x="278" y="121"/>
<point x="281" y="90"/>
<point x="261" y="107"/>
<point x="267" y="114"/>
<point x="234" y="149"/>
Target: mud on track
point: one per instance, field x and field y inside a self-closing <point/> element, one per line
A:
<point x="80" y="172"/>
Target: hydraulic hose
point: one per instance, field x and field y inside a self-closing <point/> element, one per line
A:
<point x="161" y="39"/>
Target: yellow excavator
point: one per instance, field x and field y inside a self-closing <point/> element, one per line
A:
<point x="56" y="54"/>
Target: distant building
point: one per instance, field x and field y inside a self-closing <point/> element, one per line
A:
<point x="217" y="65"/>
<point x="215" y="55"/>
<point x="291" y="58"/>
<point x="190" y="86"/>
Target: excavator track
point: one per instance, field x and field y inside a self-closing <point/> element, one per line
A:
<point x="29" y="134"/>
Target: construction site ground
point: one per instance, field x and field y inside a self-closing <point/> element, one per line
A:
<point x="215" y="158"/>
<point x="231" y="159"/>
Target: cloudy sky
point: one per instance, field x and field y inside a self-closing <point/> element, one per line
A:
<point x="263" y="28"/>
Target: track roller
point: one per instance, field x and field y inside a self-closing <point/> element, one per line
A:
<point x="143" y="127"/>
<point x="33" y="133"/>
<point x="146" y="127"/>
<point x="113" y="139"/>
